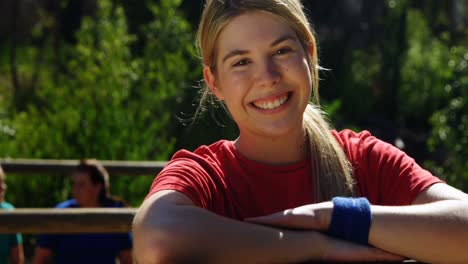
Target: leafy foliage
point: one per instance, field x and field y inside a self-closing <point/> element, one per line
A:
<point x="450" y="124"/>
<point x="430" y="102"/>
<point x="105" y="102"/>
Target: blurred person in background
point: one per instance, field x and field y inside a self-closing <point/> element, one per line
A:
<point x="11" y="245"/>
<point x="90" y="182"/>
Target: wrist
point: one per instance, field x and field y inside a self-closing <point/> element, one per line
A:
<point x="324" y="215"/>
<point x="351" y="219"/>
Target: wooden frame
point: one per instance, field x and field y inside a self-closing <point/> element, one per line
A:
<point x="66" y="221"/>
<point x="66" y="166"/>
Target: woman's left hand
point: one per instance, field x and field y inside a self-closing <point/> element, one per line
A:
<point x="311" y="216"/>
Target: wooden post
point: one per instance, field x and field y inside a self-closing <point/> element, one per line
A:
<point x="66" y="221"/>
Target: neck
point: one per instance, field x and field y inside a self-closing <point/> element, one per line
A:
<point x="90" y="204"/>
<point x="279" y="150"/>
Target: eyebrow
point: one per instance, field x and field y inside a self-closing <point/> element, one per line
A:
<point x="281" y="39"/>
<point x="242" y="52"/>
<point x="234" y="53"/>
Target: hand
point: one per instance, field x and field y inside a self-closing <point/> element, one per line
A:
<point x="312" y="216"/>
<point x="317" y="217"/>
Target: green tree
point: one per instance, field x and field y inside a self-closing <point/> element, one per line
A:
<point x="105" y="102"/>
<point x="434" y="81"/>
<point x="429" y="76"/>
<point x="449" y="135"/>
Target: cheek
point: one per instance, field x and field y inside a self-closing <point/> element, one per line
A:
<point x="235" y="78"/>
<point x="296" y="65"/>
<point x="234" y="85"/>
<point x="300" y="71"/>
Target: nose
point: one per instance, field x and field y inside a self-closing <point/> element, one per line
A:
<point x="268" y="74"/>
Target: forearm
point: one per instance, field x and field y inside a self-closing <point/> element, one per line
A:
<point x="42" y="255"/>
<point x="435" y="232"/>
<point x="197" y="235"/>
<point x="16" y="254"/>
<point x="125" y="256"/>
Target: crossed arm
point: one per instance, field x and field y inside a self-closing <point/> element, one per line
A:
<point x="169" y="228"/>
<point x="434" y="229"/>
<point x="16" y="254"/>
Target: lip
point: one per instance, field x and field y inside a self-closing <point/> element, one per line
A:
<point x="290" y="95"/>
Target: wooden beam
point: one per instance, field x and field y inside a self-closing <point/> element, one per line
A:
<point x="66" y="221"/>
<point x="64" y="167"/>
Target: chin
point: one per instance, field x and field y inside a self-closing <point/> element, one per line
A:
<point x="276" y="131"/>
<point x="280" y="129"/>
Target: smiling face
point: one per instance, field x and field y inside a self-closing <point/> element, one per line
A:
<point x="262" y="75"/>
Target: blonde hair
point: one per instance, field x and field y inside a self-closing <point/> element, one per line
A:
<point x="332" y="171"/>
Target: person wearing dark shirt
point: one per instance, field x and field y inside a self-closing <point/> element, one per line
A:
<point x="90" y="190"/>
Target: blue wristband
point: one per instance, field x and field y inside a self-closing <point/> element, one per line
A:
<point x="351" y="219"/>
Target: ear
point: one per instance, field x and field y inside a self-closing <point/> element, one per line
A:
<point x="311" y="49"/>
<point x="211" y="82"/>
<point x="311" y="53"/>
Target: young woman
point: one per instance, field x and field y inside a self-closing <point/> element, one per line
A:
<point x="265" y="197"/>
<point x="90" y="189"/>
<point x="11" y="245"/>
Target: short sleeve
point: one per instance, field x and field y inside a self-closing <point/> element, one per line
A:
<point x="384" y="173"/>
<point x="190" y="174"/>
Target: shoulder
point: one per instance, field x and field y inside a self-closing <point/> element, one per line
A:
<point x="362" y="146"/>
<point x="348" y="136"/>
<point x="199" y="174"/>
<point x="205" y="162"/>
<point x="352" y="142"/>
<point x="210" y="156"/>
<point x="67" y="204"/>
<point x="212" y="151"/>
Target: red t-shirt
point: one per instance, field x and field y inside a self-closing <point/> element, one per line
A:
<point x="220" y="179"/>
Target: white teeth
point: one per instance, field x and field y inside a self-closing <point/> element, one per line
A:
<point x="271" y="104"/>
